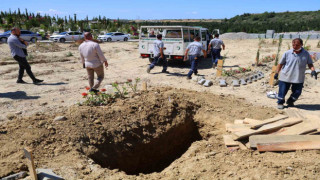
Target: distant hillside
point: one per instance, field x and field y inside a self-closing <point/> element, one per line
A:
<point x="259" y="23"/>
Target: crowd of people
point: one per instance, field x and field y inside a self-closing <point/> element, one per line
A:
<point x="290" y="71"/>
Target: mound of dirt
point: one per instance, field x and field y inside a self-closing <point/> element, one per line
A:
<point x="143" y="134"/>
<point x="45" y="47"/>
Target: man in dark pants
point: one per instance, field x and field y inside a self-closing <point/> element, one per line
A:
<point x="17" y="45"/>
<point x="291" y="72"/>
<point x="215" y="48"/>
<point x="158" y="55"/>
<point x="194" y="51"/>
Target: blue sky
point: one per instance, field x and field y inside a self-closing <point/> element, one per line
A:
<point x="163" y="9"/>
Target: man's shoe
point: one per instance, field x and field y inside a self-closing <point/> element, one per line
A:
<point x="148" y="69"/>
<point x="188" y="77"/>
<point x="290" y="104"/>
<point x="165" y="71"/>
<point x="20" y="81"/>
<point x="280" y="106"/>
<point x="196" y="73"/>
<point x="94" y="90"/>
<point x="36" y="81"/>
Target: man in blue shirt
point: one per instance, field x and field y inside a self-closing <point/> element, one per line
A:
<point x="194" y="51"/>
<point x="291" y="72"/>
<point x="17" y="47"/>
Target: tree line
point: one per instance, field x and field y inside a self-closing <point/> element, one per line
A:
<point x="250" y="23"/>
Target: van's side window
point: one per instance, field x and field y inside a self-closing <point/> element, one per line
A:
<point x="192" y="35"/>
<point x="186" y="35"/>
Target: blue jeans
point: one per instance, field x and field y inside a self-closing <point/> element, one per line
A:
<point x="215" y="55"/>
<point x="194" y="65"/>
<point x="284" y="87"/>
<point x="156" y="61"/>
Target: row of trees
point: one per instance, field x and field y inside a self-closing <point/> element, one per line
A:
<point x="32" y="21"/>
<point x="250" y="23"/>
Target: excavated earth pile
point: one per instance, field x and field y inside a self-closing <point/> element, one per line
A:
<point x="150" y="135"/>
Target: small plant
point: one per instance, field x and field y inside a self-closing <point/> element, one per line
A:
<point x="232" y="72"/>
<point x="97" y="99"/>
<point x="69" y="54"/>
<point x="30" y="57"/>
<point x="133" y="86"/>
<point x="267" y="59"/>
<point x="121" y="92"/>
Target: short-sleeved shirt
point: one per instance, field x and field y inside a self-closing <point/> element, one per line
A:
<point x="157" y="44"/>
<point x="16" y="46"/>
<point x="294" y="66"/>
<point x="216" y="43"/>
<point x="195" y="48"/>
<point x="91" y="54"/>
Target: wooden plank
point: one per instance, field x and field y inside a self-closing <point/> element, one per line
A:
<point x="268" y="121"/>
<point x="238" y="121"/>
<point x="28" y="153"/>
<point x="228" y="141"/>
<point x="271" y="81"/>
<point x="302" y="128"/>
<point x="219" y="68"/>
<point x="265" y="139"/>
<point x="242" y="146"/>
<point x="251" y="121"/>
<point x="236" y="127"/>
<point x="290" y="146"/>
<point x="266" y="128"/>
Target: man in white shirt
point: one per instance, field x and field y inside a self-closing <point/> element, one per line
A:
<point x="194" y="52"/>
<point x="215" y="48"/>
<point x="92" y="59"/>
<point x="158" y="54"/>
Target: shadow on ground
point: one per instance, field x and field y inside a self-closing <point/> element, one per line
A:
<point x="17" y="95"/>
<point x="310" y="107"/>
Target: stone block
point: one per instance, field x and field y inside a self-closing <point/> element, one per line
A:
<point x="222" y="83"/>
<point x="235" y="83"/>
<point x="19" y="175"/>
<point x="208" y="83"/>
<point x="60" y="118"/>
<point x="243" y="82"/>
<point x="201" y="81"/>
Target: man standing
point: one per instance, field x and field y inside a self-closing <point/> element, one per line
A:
<point x="292" y="69"/>
<point x="18" y="48"/>
<point x="194" y="51"/>
<point x="215" y="48"/>
<point x="92" y="59"/>
<point x="158" y="55"/>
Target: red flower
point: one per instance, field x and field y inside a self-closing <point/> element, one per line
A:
<point x="129" y="80"/>
<point x="84" y="94"/>
<point x="103" y="90"/>
<point x="87" y="88"/>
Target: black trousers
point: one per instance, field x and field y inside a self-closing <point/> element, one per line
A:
<point x="24" y="65"/>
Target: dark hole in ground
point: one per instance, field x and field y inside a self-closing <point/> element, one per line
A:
<point x="153" y="156"/>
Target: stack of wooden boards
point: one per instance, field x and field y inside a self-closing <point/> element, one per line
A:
<point x="280" y="133"/>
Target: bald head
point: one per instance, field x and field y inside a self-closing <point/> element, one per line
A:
<point x="87" y="36"/>
<point x="15" y="31"/>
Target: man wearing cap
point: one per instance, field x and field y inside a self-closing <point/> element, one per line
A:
<point x="18" y="48"/>
<point x="194" y="52"/>
<point x="291" y="73"/>
<point x="92" y="59"/>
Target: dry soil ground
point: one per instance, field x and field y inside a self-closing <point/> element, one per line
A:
<point x="173" y="131"/>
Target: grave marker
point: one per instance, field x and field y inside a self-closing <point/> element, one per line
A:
<point x="219" y="67"/>
<point x="29" y="156"/>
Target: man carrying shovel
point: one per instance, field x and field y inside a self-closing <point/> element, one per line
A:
<point x="291" y="73"/>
